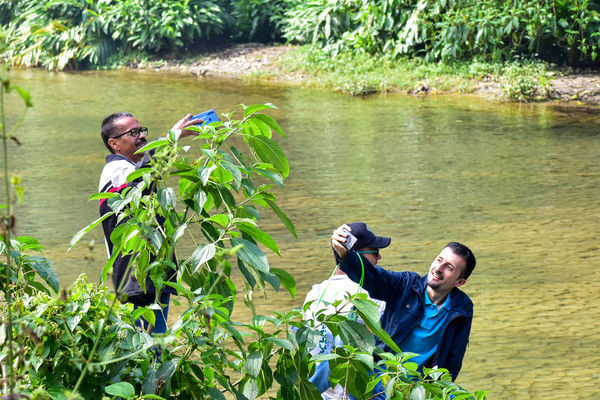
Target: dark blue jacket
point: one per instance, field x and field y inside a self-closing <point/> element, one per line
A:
<point x="404" y="294"/>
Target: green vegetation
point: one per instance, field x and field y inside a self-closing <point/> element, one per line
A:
<point x="447" y="30"/>
<point x="69" y="33"/>
<point x="59" y="34"/>
<point x="357" y="46"/>
<point x="360" y="74"/>
<point x="81" y="342"/>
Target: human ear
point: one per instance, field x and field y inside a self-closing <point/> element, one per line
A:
<point x="114" y="144"/>
<point x="460" y="282"/>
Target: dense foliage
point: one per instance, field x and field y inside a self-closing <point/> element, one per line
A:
<point x="58" y="34"/>
<point x="61" y="34"/>
<point x="489" y="30"/>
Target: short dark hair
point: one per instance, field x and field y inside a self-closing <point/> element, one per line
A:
<point x="109" y="127"/>
<point x="463" y="251"/>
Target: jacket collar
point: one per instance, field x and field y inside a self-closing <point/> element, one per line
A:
<point x="117" y="157"/>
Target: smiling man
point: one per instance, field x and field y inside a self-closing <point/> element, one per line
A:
<point x="428" y="315"/>
<point x="123" y="136"/>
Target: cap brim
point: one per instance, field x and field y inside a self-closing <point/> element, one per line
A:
<point x="380" y="242"/>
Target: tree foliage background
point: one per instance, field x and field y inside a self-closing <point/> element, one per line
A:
<point x="59" y="34"/>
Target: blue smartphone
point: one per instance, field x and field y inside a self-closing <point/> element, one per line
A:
<point x="207" y="116"/>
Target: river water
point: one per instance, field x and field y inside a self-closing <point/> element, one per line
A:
<point x="516" y="183"/>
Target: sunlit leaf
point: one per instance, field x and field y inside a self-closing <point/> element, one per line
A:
<point x="88" y="228"/>
<point x="253" y="363"/>
<point x="418" y="393"/>
<point x="24" y="95"/>
<point x="259" y="236"/>
<point x="153" y="145"/>
<point x="267" y="150"/>
<point x="102" y="195"/>
<point x="270" y="122"/>
<point x="202" y="254"/>
<point x="121" y="389"/>
<point x="249" y="388"/>
<point x="257" y="107"/>
<point x="251" y="254"/>
<point x="220" y="219"/>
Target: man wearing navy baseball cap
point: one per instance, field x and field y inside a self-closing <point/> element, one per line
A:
<point x="428" y="315"/>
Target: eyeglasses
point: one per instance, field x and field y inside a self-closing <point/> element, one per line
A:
<point x="134" y="132"/>
<point x="376" y="252"/>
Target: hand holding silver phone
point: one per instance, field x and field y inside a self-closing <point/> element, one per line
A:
<point x="350" y="241"/>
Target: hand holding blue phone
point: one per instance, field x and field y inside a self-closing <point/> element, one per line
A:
<point x="207" y="117"/>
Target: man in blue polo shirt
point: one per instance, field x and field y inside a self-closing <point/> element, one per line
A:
<point x="428" y="315"/>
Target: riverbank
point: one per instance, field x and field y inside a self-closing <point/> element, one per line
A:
<point x="268" y="63"/>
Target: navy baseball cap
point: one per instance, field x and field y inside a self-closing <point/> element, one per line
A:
<point x="366" y="238"/>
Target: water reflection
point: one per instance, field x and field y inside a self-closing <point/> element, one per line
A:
<point x="518" y="184"/>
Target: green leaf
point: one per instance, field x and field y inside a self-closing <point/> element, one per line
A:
<point x="286" y="279"/>
<point x="103" y="195"/>
<point x="253" y="363"/>
<point x="153" y="145"/>
<point x="254" y="127"/>
<point x="418" y="393"/>
<point x="325" y="357"/>
<point x="167" y="198"/>
<point x="215" y="393"/>
<point x="275" y="177"/>
<point x="145" y="313"/>
<point x="121" y="389"/>
<point x="178" y="232"/>
<point x="204" y="173"/>
<point x="284" y="218"/>
<point x="284" y="343"/>
<point x="257" y="107"/>
<point x="220" y="219"/>
<point x="259" y="236"/>
<point x="265" y="378"/>
<point x="138" y="173"/>
<point x="248" y="274"/>
<point x="271" y="123"/>
<point x="251" y="254"/>
<point x="308" y="391"/>
<point x="389" y="388"/>
<point x="202" y="254"/>
<point x="357" y="335"/>
<point x="88" y="228"/>
<point x="200" y="198"/>
<point x="45" y="271"/>
<point x="235" y="172"/>
<point x="272" y="279"/>
<point x="286" y="373"/>
<point x="24" y="95"/>
<point x="268" y="151"/>
<point x="370" y="315"/>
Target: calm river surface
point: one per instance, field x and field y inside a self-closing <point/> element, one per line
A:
<point x="518" y="184"/>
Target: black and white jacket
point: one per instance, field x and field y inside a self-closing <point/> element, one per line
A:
<point x="114" y="179"/>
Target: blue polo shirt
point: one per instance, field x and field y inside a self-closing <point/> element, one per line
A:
<point x="425" y="338"/>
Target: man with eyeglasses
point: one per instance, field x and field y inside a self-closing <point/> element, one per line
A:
<point x="322" y="295"/>
<point x="123" y="136"/>
<point x="428" y="315"/>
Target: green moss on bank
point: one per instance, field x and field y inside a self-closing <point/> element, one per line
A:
<point x="361" y="74"/>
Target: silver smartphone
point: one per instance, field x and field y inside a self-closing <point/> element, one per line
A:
<point x="350" y="241"/>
